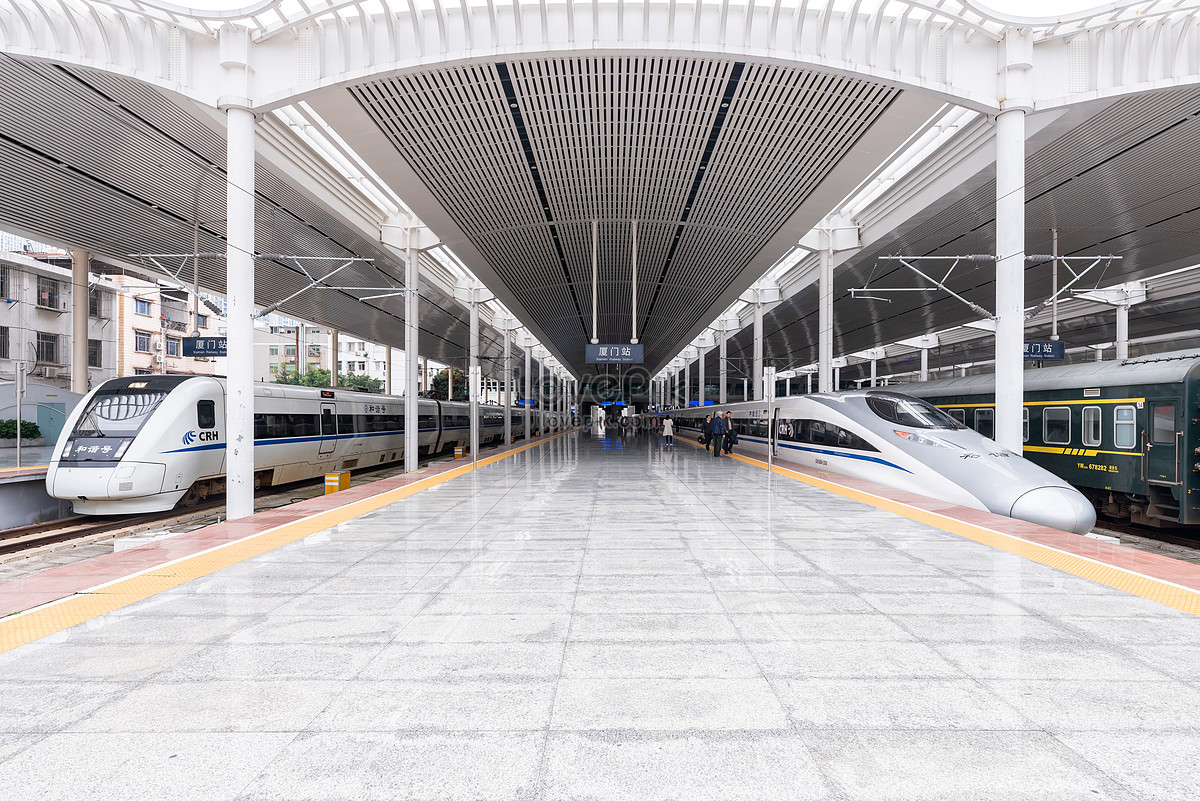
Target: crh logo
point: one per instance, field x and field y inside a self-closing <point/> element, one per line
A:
<point x="189" y="438"/>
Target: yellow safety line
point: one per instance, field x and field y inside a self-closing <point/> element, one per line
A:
<point x="42" y="621"/>
<point x="25" y="467"/>
<point x="1153" y="589"/>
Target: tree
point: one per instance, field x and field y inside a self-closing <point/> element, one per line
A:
<point x="442" y="379"/>
<point x="320" y="377"/>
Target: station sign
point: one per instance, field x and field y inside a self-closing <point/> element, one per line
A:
<point x="205" y="346"/>
<point x="614" y="354"/>
<point x="1046" y="351"/>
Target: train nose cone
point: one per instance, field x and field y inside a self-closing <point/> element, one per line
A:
<point x="1057" y="507"/>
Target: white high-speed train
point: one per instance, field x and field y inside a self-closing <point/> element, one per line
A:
<point x="907" y="443"/>
<point x="148" y="443"/>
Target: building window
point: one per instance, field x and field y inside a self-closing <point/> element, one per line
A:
<point x="274" y="369"/>
<point x="94" y="302"/>
<point x="47" y="296"/>
<point x="141" y="341"/>
<point x="1056" y="425"/>
<point x="3" y="341"/>
<point x="202" y="321"/>
<point x="47" y="348"/>
<point x="4" y="283"/>
<point x="172" y="346"/>
<point x="94" y="353"/>
<point x="289" y="350"/>
<point x="274" y="350"/>
<point x="141" y="306"/>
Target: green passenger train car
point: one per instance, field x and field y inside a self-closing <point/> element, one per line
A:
<point x="1127" y="435"/>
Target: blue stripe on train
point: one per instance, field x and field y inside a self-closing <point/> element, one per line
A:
<point x="294" y="440"/>
<point x="861" y="457"/>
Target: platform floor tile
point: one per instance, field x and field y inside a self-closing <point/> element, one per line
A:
<point x="613" y="620"/>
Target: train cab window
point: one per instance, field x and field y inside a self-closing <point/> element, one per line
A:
<point x="1056" y="425"/>
<point x="206" y="414"/>
<point x="1091" y="425"/>
<point x="985" y="422"/>
<point x="1125" y="427"/>
<point x="1024" y="425"/>
<point x="1162" y="428"/>
<point x="910" y="412"/>
<point x="960" y="415"/>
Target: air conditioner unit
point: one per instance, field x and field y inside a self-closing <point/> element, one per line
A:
<point x="159" y="358"/>
<point x="160" y="346"/>
<point x="50" y="372"/>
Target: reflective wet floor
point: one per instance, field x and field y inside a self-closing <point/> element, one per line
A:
<point x="615" y="619"/>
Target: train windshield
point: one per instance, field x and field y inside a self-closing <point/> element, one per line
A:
<point x="118" y="413"/>
<point x="910" y="412"/>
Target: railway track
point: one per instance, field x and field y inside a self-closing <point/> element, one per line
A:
<point x="1178" y="543"/>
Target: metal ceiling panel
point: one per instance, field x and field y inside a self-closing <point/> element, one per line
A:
<point x="523" y="156"/>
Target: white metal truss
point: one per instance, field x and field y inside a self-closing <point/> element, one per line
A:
<point x="294" y="47"/>
<point x="942" y="284"/>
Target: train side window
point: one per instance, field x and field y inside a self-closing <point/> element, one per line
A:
<point x="1162" y="429"/>
<point x="985" y="422"/>
<point x="328" y="423"/>
<point x="1056" y="425"/>
<point x="1124" y="427"/>
<point x="960" y="415"/>
<point x="1091" y="425"/>
<point x="1024" y="425"/>
<point x="206" y="414"/>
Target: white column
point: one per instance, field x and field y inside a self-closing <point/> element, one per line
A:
<point x="758" y="348"/>
<point x="723" y="367"/>
<point x="873" y="373"/>
<point x="1010" y="276"/>
<point x="787" y="387"/>
<point x="810" y="378"/>
<point x="837" y="379"/>
<point x="333" y="346"/>
<point x="687" y="384"/>
<point x="387" y="371"/>
<point x="825" y="316"/>
<point x="239" y="278"/>
<point x="507" y="383"/>
<point x="700" y="392"/>
<point x="411" y="343"/>
<point x="528" y="388"/>
<point x="924" y="364"/>
<point x="474" y="379"/>
<point x="79" y="321"/>
<point x="1122" y="332"/>
<point x="541" y="395"/>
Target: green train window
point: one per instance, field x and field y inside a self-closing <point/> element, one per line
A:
<point x="1124" y="427"/>
<point x="1163" y="429"/>
<point x="960" y="415"/>
<point x="1024" y="425"/>
<point x="1056" y="425"/>
<point x="985" y="422"/>
<point x="1091" y="425"/>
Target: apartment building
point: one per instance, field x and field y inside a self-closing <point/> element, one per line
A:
<point x="36" y="328"/>
<point x="152" y="322"/>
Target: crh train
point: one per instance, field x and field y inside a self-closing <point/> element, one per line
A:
<point x="148" y="443"/>
<point x="906" y="443"/>
<point x="1127" y="435"/>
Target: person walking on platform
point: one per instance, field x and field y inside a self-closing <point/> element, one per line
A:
<point x="731" y="436"/>
<point x="668" y="430"/>
<point x="717" y="435"/>
<point x="705" y="431"/>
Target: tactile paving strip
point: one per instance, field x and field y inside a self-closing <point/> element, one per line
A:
<point x="43" y="621"/>
<point x="1148" y="587"/>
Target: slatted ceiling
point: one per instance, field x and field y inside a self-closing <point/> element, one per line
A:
<point x="616" y="139"/>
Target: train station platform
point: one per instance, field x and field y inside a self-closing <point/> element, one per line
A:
<point x="611" y="618"/>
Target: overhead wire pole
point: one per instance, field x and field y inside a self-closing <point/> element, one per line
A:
<point x="411" y="343"/>
<point x="528" y="345"/>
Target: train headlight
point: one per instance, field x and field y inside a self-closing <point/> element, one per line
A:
<point x="124" y="446"/>
<point x="925" y="439"/>
<point x="67" y="450"/>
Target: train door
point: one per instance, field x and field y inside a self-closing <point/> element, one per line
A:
<point x="1161" y="442"/>
<point x="328" y="428"/>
